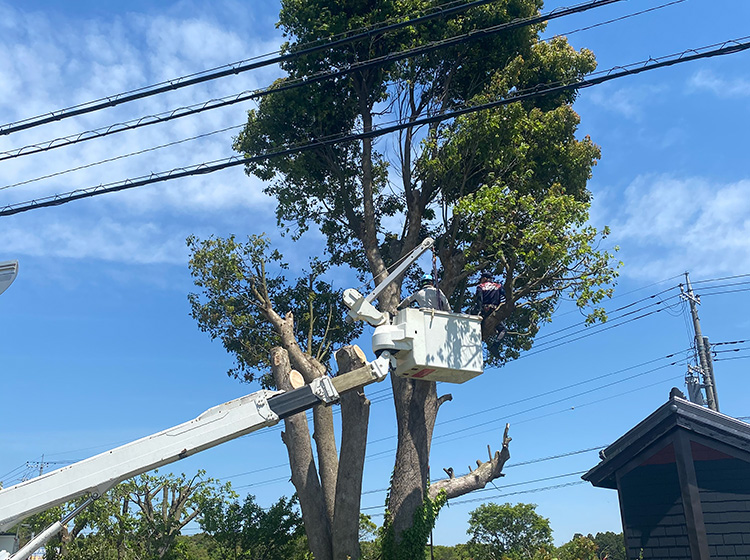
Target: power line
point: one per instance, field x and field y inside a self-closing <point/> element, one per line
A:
<point x="230" y="69"/>
<point x="731" y="358"/>
<point x="287" y="85"/>
<point x="542" y="459"/>
<point x="720" y="278"/>
<point x="532" y="491"/>
<point x="605" y="327"/>
<point x="90" y="135"/>
<point x="506" y="417"/>
<point x="728" y="47"/>
<point x="591" y="330"/>
<point x="562" y="399"/>
<point x="608" y="312"/>
<point x="526" y="463"/>
<point x="590" y="403"/>
<point x="725" y="292"/>
<point x="558" y="389"/>
<point x="109" y="160"/>
<point x="728" y="343"/>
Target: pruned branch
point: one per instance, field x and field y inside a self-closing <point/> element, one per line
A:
<point x="478" y="478"/>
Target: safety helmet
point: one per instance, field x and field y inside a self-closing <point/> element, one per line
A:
<point x="426" y="280"/>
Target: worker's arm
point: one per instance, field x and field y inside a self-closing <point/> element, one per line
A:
<point x="406" y="302"/>
<point x="476" y="307"/>
<point x="445" y="305"/>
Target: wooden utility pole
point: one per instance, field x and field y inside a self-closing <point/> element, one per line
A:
<point x="702" y="348"/>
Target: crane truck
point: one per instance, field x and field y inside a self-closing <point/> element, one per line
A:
<point x="422" y="344"/>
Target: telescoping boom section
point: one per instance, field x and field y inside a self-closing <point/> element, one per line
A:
<point x="219" y="424"/>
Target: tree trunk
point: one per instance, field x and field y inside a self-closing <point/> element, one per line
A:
<point x="355" y="414"/>
<point x="304" y="474"/>
<point x="416" y="409"/>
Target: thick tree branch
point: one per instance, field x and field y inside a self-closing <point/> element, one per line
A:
<point x="476" y="479"/>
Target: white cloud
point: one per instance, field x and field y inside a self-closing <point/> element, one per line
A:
<point x="707" y="80"/>
<point x="630" y="102"/>
<point x="666" y="225"/>
<point x="66" y="62"/>
<point x="101" y="239"/>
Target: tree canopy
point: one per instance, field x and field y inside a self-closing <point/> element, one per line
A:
<point x="510" y="531"/>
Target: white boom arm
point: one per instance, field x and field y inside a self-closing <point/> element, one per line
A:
<point x="361" y="307"/>
<point x="215" y="426"/>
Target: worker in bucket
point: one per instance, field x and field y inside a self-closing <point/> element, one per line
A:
<point x="489" y="296"/>
<point x="428" y="296"/>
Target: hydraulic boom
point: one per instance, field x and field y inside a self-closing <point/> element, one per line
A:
<point x="219" y="424"/>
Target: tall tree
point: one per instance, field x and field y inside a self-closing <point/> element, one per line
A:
<point x="503" y="190"/>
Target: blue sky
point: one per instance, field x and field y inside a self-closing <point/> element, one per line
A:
<point x="97" y="346"/>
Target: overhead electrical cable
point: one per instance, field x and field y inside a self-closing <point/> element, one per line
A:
<point x="718" y="359"/>
<point x="531" y="491"/>
<point x="598" y="401"/>
<point x="472" y="500"/>
<point x="560" y="400"/>
<point x="703" y="294"/>
<point x="695" y="282"/>
<point x="123" y="156"/>
<point x="607" y="311"/>
<point x="557" y="389"/>
<point x="730" y="342"/>
<point x="479" y="490"/>
<point x="725" y="285"/>
<point x="505" y="417"/>
<point x="604" y="327"/>
<point x="253" y="64"/>
<point x="384" y="453"/>
<point x="727" y="47"/>
<point x="90" y="135"/>
<point x="286" y="85"/>
<point x="592" y="329"/>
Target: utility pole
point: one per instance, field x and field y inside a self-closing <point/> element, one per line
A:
<point x="705" y="369"/>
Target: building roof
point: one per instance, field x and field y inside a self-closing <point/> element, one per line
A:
<point x="676" y="413"/>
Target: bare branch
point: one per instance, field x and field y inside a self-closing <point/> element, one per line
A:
<point x="445" y="398"/>
<point x="479" y="478"/>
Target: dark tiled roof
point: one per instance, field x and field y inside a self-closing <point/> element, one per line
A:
<point x="676" y="413"/>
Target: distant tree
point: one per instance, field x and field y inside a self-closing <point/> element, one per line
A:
<point x="578" y="548"/>
<point x="166" y="503"/>
<point x="196" y="547"/>
<point x="457" y="552"/>
<point x="509" y="531"/>
<point x="246" y="531"/>
<point x="135" y="520"/>
<point x="611" y="545"/>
